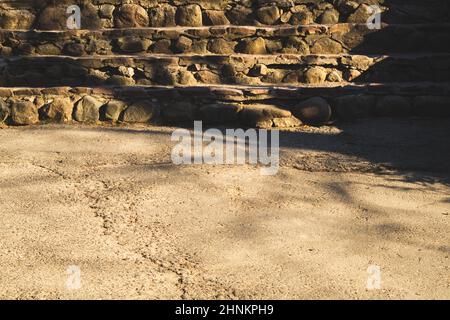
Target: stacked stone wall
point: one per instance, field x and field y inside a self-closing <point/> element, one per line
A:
<point x="260" y="63"/>
<point x="51" y="15"/>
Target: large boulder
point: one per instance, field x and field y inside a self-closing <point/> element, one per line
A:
<point x="24" y="113"/>
<point x="16" y="19"/>
<point x="87" y="110"/>
<point x="53" y="18"/>
<point x="141" y="112"/>
<point x="216" y="18"/>
<point x="269" y="15"/>
<point x="329" y="16"/>
<point x="131" y="16"/>
<point x="354" y="106"/>
<point x="163" y="16"/>
<point x="253" y="46"/>
<point x="113" y="109"/>
<point x="132" y="44"/>
<point x="326" y="46"/>
<point x="314" y="111"/>
<point x="59" y="110"/>
<point x="261" y="116"/>
<point x="361" y="15"/>
<point x="315" y="75"/>
<point x="190" y="16"/>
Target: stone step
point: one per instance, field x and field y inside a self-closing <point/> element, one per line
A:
<point x="317" y="39"/>
<point x="96" y="14"/>
<point x="191" y="70"/>
<point x="236" y="105"/>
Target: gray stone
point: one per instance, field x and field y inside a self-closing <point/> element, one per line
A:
<point x="87" y="110"/>
<point x="354" y="106"/>
<point x="113" y="110"/>
<point x="140" y="112"/>
<point x="314" y="111"/>
<point x="179" y="111"/>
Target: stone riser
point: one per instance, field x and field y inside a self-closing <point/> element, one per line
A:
<point x="100" y="14"/>
<point x="254" y="107"/>
<point x="341" y="38"/>
<point x="188" y="70"/>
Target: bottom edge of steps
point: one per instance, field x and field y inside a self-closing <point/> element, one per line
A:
<point x="260" y="107"/>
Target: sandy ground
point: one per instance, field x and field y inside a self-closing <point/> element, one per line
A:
<point x="110" y="201"/>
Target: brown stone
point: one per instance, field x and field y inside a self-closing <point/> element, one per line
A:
<point x="59" y="110"/>
<point x="53" y="18"/>
<point x="24" y="113"/>
<point x="253" y="46"/>
<point x="269" y="15"/>
<point x="16" y="19"/>
<point x="140" y="112"/>
<point x="221" y="46"/>
<point x="131" y="16"/>
<point x="74" y="49"/>
<point x="327" y="46"/>
<point x="190" y="15"/>
<point x="315" y="75"/>
<point x="330" y="16"/>
<point x="179" y="111"/>
<point x="216" y="18"/>
<point x="163" y="16"/>
<point x="133" y="44"/>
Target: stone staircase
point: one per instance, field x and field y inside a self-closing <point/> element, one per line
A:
<point x="259" y="63"/>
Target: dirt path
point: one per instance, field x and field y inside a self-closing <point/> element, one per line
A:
<point x="110" y="201"/>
